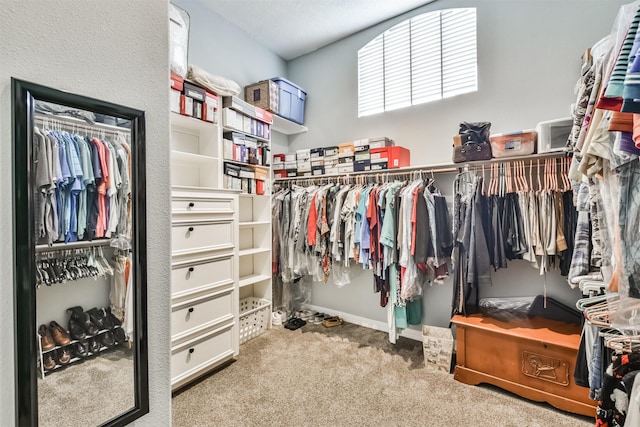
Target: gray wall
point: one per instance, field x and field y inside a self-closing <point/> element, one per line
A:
<point x="115" y="51"/>
<point x="528" y="62"/>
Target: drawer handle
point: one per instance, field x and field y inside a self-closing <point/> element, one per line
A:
<point x="191" y="204"/>
<point x="191" y="350"/>
<point x="190" y="229"/>
<point x="191" y="269"/>
<point x="190" y="309"/>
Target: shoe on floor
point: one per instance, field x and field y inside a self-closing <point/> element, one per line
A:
<point x="331" y="322"/>
<point x="295" y="323"/>
<point x="46" y="340"/>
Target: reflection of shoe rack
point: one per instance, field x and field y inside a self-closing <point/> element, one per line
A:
<point x="60" y="357"/>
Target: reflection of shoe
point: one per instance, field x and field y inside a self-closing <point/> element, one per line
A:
<point x="48" y="362"/>
<point x="330" y="322"/>
<point x="46" y="340"/>
<point x="89" y="327"/>
<point x="97" y="318"/>
<point x="94" y="345"/>
<point x="119" y="335"/>
<point x="107" y="339"/>
<point x="76" y="330"/>
<point x="64" y="357"/>
<point x="81" y="349"/>
<point x="59" y="334"/>
<point x="114" y="320"/>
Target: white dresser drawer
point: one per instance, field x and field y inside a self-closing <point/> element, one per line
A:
<point x="201" y="313"/>
<point x="200" y="353"/>
<point x="195" y="205"/>
<point x="187" y="279"/>
<point x="201" y="236"/>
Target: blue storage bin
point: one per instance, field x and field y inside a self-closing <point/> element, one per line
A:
<point x="291" y="101"/>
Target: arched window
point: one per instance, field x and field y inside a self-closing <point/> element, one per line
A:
<point x="428" y="57"/>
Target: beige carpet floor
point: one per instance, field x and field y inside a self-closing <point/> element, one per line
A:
<point x="88" y="393"/>
<point x="348" y="376"/>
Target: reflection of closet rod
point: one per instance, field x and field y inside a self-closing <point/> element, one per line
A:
<point x="436" y="168"/>
<point x="73" y="245"/>
<point x="71" y="123"/>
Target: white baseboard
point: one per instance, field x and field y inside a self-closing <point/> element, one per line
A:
<point x="367" y="323"/>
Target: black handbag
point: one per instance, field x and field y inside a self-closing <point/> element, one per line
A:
<point x="475" y="144"/>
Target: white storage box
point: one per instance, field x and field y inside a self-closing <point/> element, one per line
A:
<point x="520" y="143"/>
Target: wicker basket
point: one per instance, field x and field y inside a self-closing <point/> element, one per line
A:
<point x="254" y="317"/>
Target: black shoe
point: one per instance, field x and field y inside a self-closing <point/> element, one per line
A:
<point x="107" y="339"/>
<point x="76" y="330"/>
<point x="114" y="319"/>
<point x="88" y="325"/>
<point x="80" y="349"/>
<point x="94" y="345"/>
<point x="97" y="318"/>
<point x="47" y="361"/>
<point x="119" y="335"/>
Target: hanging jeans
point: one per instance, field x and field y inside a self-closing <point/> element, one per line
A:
<point x="629" y="217"/>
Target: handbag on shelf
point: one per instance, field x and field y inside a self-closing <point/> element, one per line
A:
<point x="474" y="142"/>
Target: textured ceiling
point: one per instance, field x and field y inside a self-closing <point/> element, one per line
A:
<point x="294" y="27"/>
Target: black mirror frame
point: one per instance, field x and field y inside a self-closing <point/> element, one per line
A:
<point x="23" y="94"/>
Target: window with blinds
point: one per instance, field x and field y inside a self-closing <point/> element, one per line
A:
<point x="426" y="58"/>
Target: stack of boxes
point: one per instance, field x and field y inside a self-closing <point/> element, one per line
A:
<point x="303" y="159"/>
<point x="331" y="160"/>
<point x="317" y="161"/>
<point x="346" y="157"/>
<point x="361" y="155"/>
<point x="237" y="114"/>
<point x="194" y="101"/>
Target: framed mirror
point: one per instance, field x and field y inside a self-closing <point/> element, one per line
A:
<point x="79" y="236"/>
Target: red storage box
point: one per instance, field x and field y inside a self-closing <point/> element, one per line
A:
<point x="397" y="157"/>
<point x="177" y="82"/>
<point x="259" y="187"/>
<point x="281" y="173"/>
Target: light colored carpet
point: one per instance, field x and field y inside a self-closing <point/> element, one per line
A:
<point x="348" y="376"/>
<point x="88" y="393"/>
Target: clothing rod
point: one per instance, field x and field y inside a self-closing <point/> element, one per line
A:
<point x="72" y="121"/>
<point x="72" y="245"/>
<point x="435" y="168"/>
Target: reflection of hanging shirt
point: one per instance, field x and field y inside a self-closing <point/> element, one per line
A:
<point x="76" y="188"/>
<point x="103" y="155"/>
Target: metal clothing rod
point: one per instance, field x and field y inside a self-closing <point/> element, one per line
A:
<point x="429" y="169"/>
<point x="72" y="245"/>
<point x="72" y="122"/>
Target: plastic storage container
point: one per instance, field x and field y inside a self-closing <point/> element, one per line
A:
<point x="520" y="143"/>
<point x="291" y="100"/>
<point x="553" y="134"/>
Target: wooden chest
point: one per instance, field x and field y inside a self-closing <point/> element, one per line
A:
<point x="534" y="358"/>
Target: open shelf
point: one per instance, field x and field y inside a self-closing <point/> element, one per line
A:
<point x="190" y="158"/>
<point x="286" y="127"/>
<point x="186" y="122"/>
<point x="253" y="251"/>
<point x="253" y="223"/>
<point x="252" y="278"/>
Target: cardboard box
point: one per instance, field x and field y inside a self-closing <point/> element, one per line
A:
<point x="331" y="151"/>
<point x="210" y="107"/>
<point x="362" y="166"/>
<point x="239" y="105"/>
<point x="174" y="100"/>
<point x="346" y="149"/>
<point x="292" y="173"/>
<point x="317" y="153"/>
<point x="303" y="154"/>
<point x="331" y="170"/>
<point x="260" y="187"/>
<point x="304" y="166"/>
<point x="231" y="170"/>
<point x="264" y="94"/>
<point x="280" y="173"/>
<point x="437" y="344"/>
<point x="363" y="155"/>
<point x="261" y="173"/>
<point x="377" y="166"/>
<point x="316" y="162"/>
<point x="247" y="172"/>
<point x="186" y="106"/>
<point x="291" y="165"/>
<point x="345" y="168"/>
<point x="396" y="156"/>
<point x="304" y="174"/>
<point x="317" y="170"/>
<point x="197" y="109"/>
<point x="192" y="91"/>
<point x="177" y="82"/>
<point x="232" y="119"/>
<point x="343" y="160"/>
<point x="290" y="158"/>
<point x="361" y="148"/>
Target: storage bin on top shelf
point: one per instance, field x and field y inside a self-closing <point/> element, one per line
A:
<point x="519" y="143"/>
<point x="280" y="96"/>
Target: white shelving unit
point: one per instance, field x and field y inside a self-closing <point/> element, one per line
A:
<point x="287" y="127"/>
<point x="254" y="261"/>
<point x="204" y="241"/>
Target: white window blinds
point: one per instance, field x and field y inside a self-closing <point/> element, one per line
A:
<point x="425" y="58"/>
